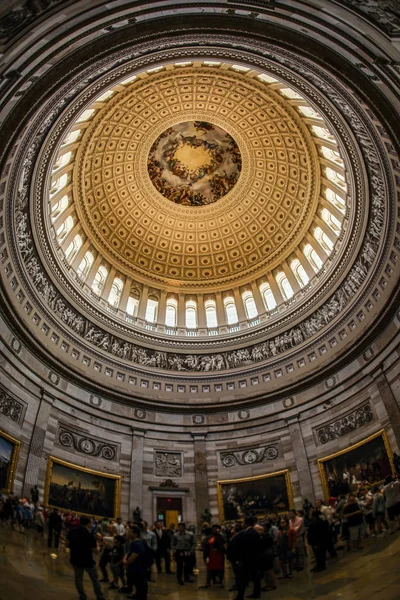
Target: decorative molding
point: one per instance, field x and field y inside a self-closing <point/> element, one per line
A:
<point x="16" y="345"/>
<point x="369" y="354"/>
<point x="168" y="464"/>
<point x="244" y="414"/>
<point x="168" y="483"/>
<point x="11" y="408"/>
<point x="330" y="382"/>
<point x="249" y="456"/>
<point x="288" y="402"/>
<point x="357" y="418"/>
<point x="86" y="445"/>
<point x="198" y="419"/>
<point x="54" y="378"/>
<point x="384" y="14"/>
<point x="95" y="400"/>
<point x="139" y="413"/>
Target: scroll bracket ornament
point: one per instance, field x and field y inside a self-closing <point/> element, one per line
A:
<point x="249" y="456"/>
<point x="86" y="445"/>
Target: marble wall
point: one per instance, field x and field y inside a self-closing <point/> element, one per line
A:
<point x="147" y="447"/>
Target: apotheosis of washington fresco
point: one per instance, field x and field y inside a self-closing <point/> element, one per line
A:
<point x="194" y="163"/>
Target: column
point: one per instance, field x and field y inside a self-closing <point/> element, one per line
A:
<point x="125" y="294"/>
<point x="257" y="298"/>
<point x="93" y="270"/>
<point x="35" y="452"/>
<point x="326" y="229"/>
<point x="221" y="316"/>
<point x="143" y="302"/>
<point x="162" y="309"/>
<point x="279" y="299"/>
<point x="105" y="292"/>
<point x="70" y="236"/>
<point x="136" y="481"/>
<point x="202" y="497"/>
<point x="201" y="313"/>
<point x="300" y="456"/>
<point x="64" y="215"/>
<point x="80" y="254"/>
<point x="181" y="312"/>
<point x="239" y="306"/>
<point x="305" y="264"/>
<point x="291" y="278"/>
<point x="391" y="406"/>
<point x="317" y="247"/>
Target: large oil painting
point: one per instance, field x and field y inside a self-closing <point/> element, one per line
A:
<point x="194" y="163"/>
<point x="82" y="491"/>
<point x="9" y="449"/>
<point x="364" y="464"/>
<point x="258" y="496"/>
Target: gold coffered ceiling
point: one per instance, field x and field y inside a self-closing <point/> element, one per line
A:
<point x="246" y="232"/>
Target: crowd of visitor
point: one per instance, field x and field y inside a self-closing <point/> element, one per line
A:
<point x="259" y="550"/>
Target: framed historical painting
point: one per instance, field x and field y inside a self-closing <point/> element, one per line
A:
<point x="364" y="464"/>
<point x="81" y="490"/>
<point x="9" y="450"/>
<point x="258" y="495"/>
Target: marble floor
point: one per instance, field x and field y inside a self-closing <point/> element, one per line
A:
<point x="29" y="572"/>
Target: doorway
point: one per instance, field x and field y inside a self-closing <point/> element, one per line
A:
<point x="169" y="510"/>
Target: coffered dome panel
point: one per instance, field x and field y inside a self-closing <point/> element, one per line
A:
<point x="253" y="226"/>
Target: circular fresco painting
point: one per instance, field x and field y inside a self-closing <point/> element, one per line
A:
<point x="194" y="163"/>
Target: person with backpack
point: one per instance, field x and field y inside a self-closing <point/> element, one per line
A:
<point x="135" y="563"/>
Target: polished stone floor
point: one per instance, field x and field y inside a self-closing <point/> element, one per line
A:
<point x="29" y="572"/>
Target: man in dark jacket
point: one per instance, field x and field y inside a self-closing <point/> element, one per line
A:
<point x="163" y="547"/>
<point x="82" y="543"/>
<point x="244" y="553"/>
<point x="55" y="525"/>
<point x="318" y="537"/>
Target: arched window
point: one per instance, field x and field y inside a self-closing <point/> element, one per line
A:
<point x="331" y="220"/>
<point x="284" y="285"/>
<point x="299" y="272"/>
<point x="312" y="257"/>
<point x="211" y="313"/>
<point x="335" y="199"/>
<point x="268" y="297"/>
<point x="322" y="239"/>
<point x="59" y="207"/>
<point x="191" y="314"/>
<point x="230" y="311"/>
<point x="132" y="306"/>
<point x="73" y="248"/>
<point x="64" y="229"/>
<point x="116" y="292"/>
<point x="322" y="133"/>
<point x="151" y="310"/>
<point x="307" y="111"/>
<point x="99" y="280"/>
<point x="87" y="114"/>
<point x="332" y="155"/>
<point x="249" y="305"/>
<point x="62" y="160"/>
<point x="71" y="137"/>
<point x="85" y="265"/>
<point x="58" y="184"/>
<point x="171" y="313"/>
<point x="336" y="178"/>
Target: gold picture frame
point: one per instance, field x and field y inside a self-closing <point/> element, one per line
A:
<point x="64" y="470"/>
<point x="322" y="462"/>
<point x="233" y="482"/>
<point x="12" y="463"/>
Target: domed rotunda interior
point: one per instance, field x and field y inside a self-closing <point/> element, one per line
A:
<point x="200" y="253"/>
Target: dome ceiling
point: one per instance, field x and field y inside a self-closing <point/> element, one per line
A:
<point x="266" y="199"/>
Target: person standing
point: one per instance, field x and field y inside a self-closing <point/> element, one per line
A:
<point x="183" y="545"/>
<point x="286" y="543"/>
<point x="119" y="527"/>
<point x="214" y="555"/>
<point x="297" y="523"/>
<point x="248" y="560"/>
<point x="35" y="494"/>
<point x="82" y="543"/>
<point x="317" y="536"/>
<point x="163" y="547"/>
<point x="352" y="512"/>
<point x="55" y="525"/>
<point x="392" y="498"/>
<point x="135" y="563"/>
<point x="379" y="510"/>
<point x="149" y="538"/>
